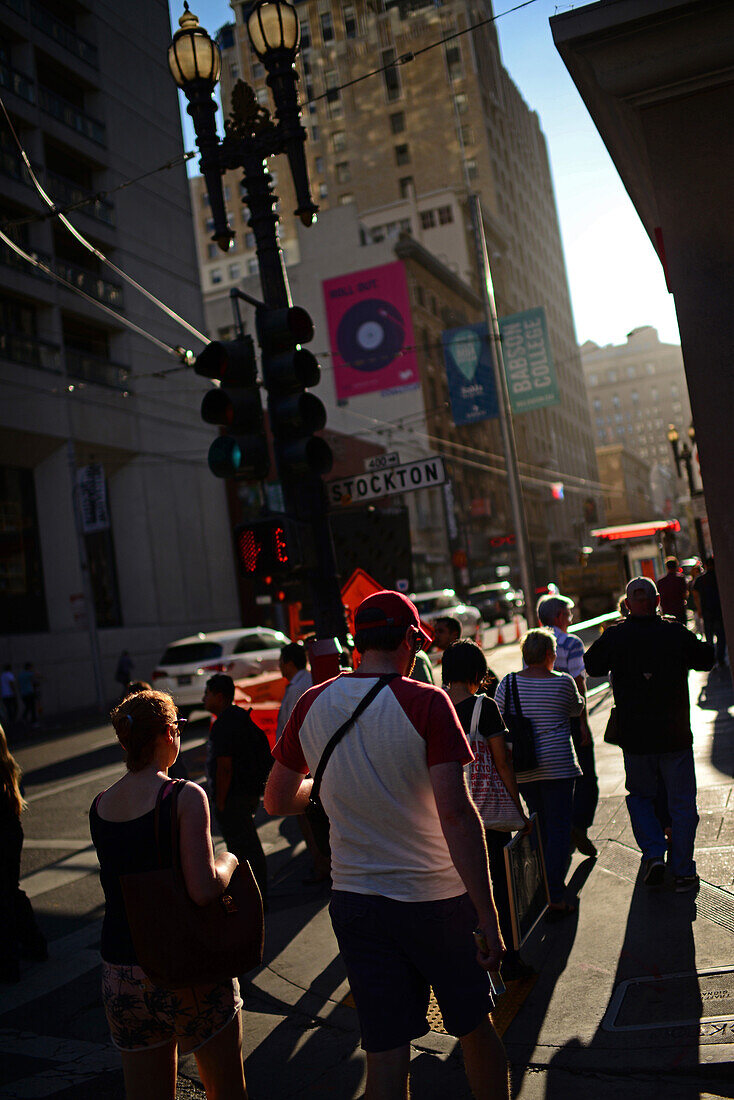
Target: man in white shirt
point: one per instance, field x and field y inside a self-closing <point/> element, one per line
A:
<point x="409" y="862"/>
<point x="292" y="664"/>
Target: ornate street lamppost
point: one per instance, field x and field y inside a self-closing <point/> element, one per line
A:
<point x="683" y="454"/>
<point x="251" y="136"/>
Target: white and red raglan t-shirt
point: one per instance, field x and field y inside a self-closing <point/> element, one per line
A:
<point x="386" y="836"/>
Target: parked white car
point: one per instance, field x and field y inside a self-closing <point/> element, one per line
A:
<point x="444" y="601"/>
<point x="187" y="664"/>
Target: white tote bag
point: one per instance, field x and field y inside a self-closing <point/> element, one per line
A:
<point x="494" y="802"/>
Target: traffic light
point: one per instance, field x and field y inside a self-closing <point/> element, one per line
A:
<point x="242" y="451"/>
<point x="288" y="372"/>
<point x="272" y="546"/>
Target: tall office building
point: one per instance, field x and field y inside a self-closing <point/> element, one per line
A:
<point x="404" y="145"/>
<point x="636" y="390"/>
<point x="86" y="404"/>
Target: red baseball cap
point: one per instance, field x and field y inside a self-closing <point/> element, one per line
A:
<point x="388" y="608"/>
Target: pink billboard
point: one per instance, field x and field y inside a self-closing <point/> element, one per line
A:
<point x="371" y="331"/>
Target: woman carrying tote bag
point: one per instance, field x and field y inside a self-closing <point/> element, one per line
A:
<point x="490" y="777"/>
<point x="548" y="700"/>
<point x="149" y="1024"/>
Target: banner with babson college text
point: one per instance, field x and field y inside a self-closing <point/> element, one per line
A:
<point x="526" y="351"/>
<point x="470" y="374"/>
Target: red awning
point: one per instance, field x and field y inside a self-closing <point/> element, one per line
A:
<point x="636" y="530"/>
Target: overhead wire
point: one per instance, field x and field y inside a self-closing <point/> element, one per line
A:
<point x="91" y="248"/>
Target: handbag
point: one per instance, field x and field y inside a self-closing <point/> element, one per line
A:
<point x="179" y="943"/>
<point x="317" y="816"/>
<point x="494" y="802"/>
<point x="612" y="734"/>
<point x="524" y="753"/>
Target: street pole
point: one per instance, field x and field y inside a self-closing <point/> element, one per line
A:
<point x="505" y="416"/>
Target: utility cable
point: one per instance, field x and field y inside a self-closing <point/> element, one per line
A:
<point x="91" y="248"/>
<point x="412" y="54"/>
<point x="119" y="317"/>
<point x="97" y="196"/>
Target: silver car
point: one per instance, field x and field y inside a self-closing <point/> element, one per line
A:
<point x="444" y="601"/>
<point x="187" y="664"/>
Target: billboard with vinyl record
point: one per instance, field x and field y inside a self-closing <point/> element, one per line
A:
<point x="371" y="331"/>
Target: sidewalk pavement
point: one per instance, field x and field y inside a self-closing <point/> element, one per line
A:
<point x="635" y="993"/>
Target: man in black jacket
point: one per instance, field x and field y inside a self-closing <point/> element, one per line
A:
<point x="238" y="762"/>
<point x="648" y="658"/>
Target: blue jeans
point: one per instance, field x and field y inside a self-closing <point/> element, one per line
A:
<point x="677" y="773"/>
<point x="552" y="801"/>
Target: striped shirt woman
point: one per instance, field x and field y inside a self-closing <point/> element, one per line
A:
<point x="549" y="699"/>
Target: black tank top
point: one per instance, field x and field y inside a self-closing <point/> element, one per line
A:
<point x="122" y="848"/>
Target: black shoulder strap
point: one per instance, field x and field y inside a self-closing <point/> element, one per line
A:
<point x="516" y="696"/>
<point x="174" y="785"/>
<point x="375" y="690"/>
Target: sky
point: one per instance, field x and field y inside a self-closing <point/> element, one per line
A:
<point x="615" y="277"/>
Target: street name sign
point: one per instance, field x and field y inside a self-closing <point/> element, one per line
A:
<point x="406" y="478"/>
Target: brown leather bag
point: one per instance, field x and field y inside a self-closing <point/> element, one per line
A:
<point x="179" y="943"/>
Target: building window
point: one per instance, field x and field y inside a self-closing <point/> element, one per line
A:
<point x="471" y="169"/>
<point x="323" y="191"/>
<point x="327" y="27"/>
<point x="631" y="372"/>
<point x="344" y="200"/>
<point x="350" y="21"/>
<point x="462" y="102"/>
<point x="249" y="240"/>
<point x="616" y="401"/>
<point x="258" y="70"/>
<point x="212" y="251"/>
<point x="467" y="135"/>
<point x="593" y="379"/>
<point x="262" y="96"/>
<point x="597" y="405"/>
<point x="234" y="271"/>
<point x="390" y="75"/>
<point x="673" y="391"/>
<point x="215" y="275"/>
<point x="611" y="376"/>
<point x="338" y="141"/>
<point x="343" y="174"/>
<point x="428" y="219"/>
<point x="402" y="154"/>
<point x="406" y="186"/>
<point x="210" y="225"/>
<point x="453" y="62"/>
<point x="397" y="122"/>
<point x="22" y="594"/>
<point x="333" y="95"/>
<point x="252" y="266"/>
<point x="314" y="132"/>
<point x="319" y="165"/>
<point x="305" y="34"/>
<point x="445" y="215"/>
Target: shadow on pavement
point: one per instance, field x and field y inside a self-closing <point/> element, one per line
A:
<point x="717" y="695"/>
<point x="548" y="951"/>
<point x="628" y="1057"/>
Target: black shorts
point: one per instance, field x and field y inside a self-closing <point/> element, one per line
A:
<point x="394" y="951"/>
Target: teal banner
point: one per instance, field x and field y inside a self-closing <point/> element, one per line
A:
<point x="531" y="376"/>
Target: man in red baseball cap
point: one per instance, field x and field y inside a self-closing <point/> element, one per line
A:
<point x="410" y="876"/>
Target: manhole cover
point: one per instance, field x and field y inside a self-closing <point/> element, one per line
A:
<point x="703" y="998"/>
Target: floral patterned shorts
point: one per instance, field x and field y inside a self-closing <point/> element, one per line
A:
<point x="141" y="1015"/>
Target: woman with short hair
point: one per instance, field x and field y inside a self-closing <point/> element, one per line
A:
<point x="549" y="700"/>
<point x="149" y="1024"/>
<point x="464" y="670"/>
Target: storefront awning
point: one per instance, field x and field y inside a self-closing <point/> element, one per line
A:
<point x="636" y="530"/>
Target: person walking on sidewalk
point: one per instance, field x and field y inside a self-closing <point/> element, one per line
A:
<point x="464" y="667"/>
<point x="237" y="764"/>
<point x="292" y="664"/>
<point x="708" y="605"/>
<point x="556" y="612"/>
<point x="409" y="860"/>
<point x="673" y="589"/>
<point x="549" y="700"/>
<point x="9" y="691"/>
<point x="21" y="936"/>
<point x="649" y="658"/>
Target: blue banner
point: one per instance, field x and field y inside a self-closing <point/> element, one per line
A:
<point x="468" y="357"/>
